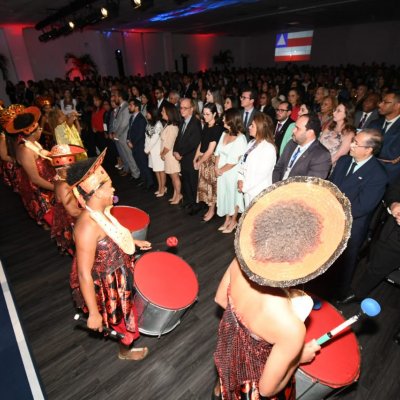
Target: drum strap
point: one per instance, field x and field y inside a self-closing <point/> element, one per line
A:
<point x="118" y="233"/>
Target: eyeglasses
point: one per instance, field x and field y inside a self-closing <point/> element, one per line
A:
<point x="244" y="97"/>
<point x="280" y="110"/>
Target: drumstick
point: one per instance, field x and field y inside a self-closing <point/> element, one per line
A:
<point x="111" y="332"/>
<point x="369" y="307"/>
<point x="171" y="241"/>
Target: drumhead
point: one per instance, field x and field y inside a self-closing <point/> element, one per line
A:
<point x="131" y="218"/>
<point x="338" y="362"/>
<point x="166" y="280"/>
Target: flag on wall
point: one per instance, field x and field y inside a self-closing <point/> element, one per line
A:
<point x="293" y="46"/>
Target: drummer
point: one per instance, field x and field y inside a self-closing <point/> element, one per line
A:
<point x="102" y="271"/>
<point x="262" y="332"/>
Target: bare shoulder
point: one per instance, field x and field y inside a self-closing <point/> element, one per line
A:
<point x="281" y="322"/>
<point x="86" y="228"/>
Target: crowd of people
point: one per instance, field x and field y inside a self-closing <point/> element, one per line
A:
<point x="222" y="138"/>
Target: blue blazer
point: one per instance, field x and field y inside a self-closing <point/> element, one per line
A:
<point x="391" y="146"/>
<point x="364" y="188"/>
<point x="137" y="132"/>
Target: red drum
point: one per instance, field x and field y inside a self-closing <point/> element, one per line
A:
<point x="166" y="287"/>
<point x="338" y="362"/>
<point x="136" y="220"/>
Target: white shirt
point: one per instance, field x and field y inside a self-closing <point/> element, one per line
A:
<point x="301" y="152"/>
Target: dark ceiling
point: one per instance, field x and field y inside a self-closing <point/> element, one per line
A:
<point x="246" y="17"/>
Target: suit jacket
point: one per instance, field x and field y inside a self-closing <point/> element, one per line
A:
<point x="391" y="146"/>
<point x="270" y="111"/>
<point x="162" y="104"/>
<point x="249" y="121"/>
<point x="121" y="122"/>
<point x="137" y="132"/>
<point x="315" y="161"/>
<point x="364" y="188"/>
<point x="279" y="137"/>
<point x="358" y="115"/>
<point x="186" y="143"/>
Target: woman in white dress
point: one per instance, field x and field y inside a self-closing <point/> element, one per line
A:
<point x="257" y="163"/>
<point x="229" y="151"/>
<point x="152" y="147"/>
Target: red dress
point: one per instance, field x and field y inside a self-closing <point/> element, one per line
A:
<point x="62" y="228"/>
<point x="240" y="359"/>
<point x="37" y="201"/>
<point x="112" y="275"/>
<point x="11" y="171"/>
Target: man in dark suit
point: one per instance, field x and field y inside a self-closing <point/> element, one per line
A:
<point x="384" y="254"/>
<point x="247" y="99"/>
<point x="160" y="100"/>
<point x="136" y="139"/>
<point x="363" y="179"/>
<point x="389" y="126"/>
<point x="265" y="106"/>
<point x="304" y="155"/>
<point x="369" y="112"/>
<point x="284" y="122"/>
<point x="186" y="143"/>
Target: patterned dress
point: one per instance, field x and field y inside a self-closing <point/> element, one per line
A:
<point x="207" y="188"/>
<point x="112" y="275"/>
<point x="37" y="201"/>
<point x="240" y="359"/>
<point x="62" y="228"/>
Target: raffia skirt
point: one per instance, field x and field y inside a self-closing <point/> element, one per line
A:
<point x="207" y="187"/>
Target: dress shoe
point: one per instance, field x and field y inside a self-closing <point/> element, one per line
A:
<point x="396" y="337"/>
<point x="351" y="298"/>
<point x="230" y="229"/>
<point x="134" y="354"/>
<point x="195" y="209"/>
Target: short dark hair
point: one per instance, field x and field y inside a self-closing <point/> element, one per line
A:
<point x="123" y="94"/>
<point x="136" y="102"/>
<point x="289" y="106"/>
<point x="374" y="140"/>
<point x="313" y="123"/>
<point x="253" y="92"/>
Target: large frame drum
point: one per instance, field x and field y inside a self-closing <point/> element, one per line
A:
<point x="338" y="362"/>
<point x="134" y="219"/>
<point x="166" y="287"/>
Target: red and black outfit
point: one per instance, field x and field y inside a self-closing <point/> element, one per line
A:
<point x="240" y="359"/>
<point x="62" y="228"/>
<point x="112" y="275"/>
<point x="37" y="201"/>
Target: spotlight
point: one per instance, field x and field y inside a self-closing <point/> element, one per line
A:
<point x="136" y="3"/>
<point x="71" y="24"/>
<point x="104" y="12"/>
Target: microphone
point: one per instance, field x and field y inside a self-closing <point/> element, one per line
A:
<point x="369" y="307"/>
<point x="113" y="333"/>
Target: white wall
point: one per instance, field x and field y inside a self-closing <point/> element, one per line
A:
<point x="147" y="53"/>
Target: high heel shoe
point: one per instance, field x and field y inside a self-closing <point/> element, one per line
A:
<point x="222" y="228"/>
<point x="207" y="219"/>
<point x="159" y="194"/>
<point x="231" y="229"/>
<point x="177" y="201"/>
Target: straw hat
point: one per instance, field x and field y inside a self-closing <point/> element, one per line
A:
<point x="293" y="231"/>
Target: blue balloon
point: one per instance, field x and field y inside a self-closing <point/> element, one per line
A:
<point x="370" y="307"/>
